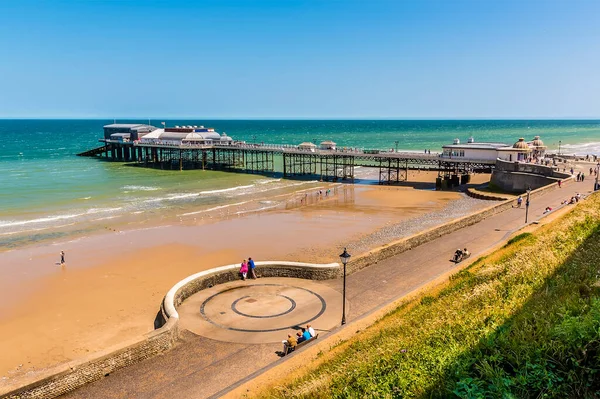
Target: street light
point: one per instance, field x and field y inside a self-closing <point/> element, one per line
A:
<point x="344" y="257"/>
<point x="527" y="204"/>
<point x="559" y="142"/>
<point x="396" y="142"/>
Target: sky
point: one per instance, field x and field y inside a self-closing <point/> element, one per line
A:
<point x="300" y="59"/>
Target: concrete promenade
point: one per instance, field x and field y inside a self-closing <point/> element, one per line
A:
<point x="200" y="367"/>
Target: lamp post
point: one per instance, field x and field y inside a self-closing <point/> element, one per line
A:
<point x="396" y="142"/>
<point x="344" y="257"/>
<point x="527" y="204"/>
<point x="559" y="143"/>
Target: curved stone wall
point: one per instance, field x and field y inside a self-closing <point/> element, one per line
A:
<point x="219" y="275"/>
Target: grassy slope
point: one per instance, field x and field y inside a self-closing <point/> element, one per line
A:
<point x="523" y="322"/>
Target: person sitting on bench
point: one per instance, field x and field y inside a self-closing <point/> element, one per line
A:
<point x="300" y="338"/>
<point x="306" y="334"/>
<point x="290" y="343"/>
<point x="311" y="330"/>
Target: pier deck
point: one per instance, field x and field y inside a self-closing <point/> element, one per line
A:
<point x="331" y="165"/>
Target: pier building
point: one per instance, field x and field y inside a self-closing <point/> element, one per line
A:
<point x="520" y="151"/>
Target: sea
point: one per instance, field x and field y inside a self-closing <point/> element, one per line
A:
<point x="48" y="194"/>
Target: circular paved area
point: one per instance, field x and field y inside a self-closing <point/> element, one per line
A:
<point x="261" y="311"/>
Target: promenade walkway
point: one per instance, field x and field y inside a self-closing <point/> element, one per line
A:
<point x="200" y="367"/>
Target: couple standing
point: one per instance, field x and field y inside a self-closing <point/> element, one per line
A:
<point x="248" y="267"/>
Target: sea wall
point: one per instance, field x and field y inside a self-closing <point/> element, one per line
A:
<point x="72" y="375"/>
<point x="517" y="177"/>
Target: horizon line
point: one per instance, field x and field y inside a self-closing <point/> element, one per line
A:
<point x="332" y="118"/>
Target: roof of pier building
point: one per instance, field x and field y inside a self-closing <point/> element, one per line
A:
<point x="161" y="134"/>
<point x="521" y="144"/>
<point x="130" y="126"/>
<point x="476" y="146"/>
<point x="537" y="142"/>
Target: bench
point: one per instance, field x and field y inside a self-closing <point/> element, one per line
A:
<point x="289" y="349"/>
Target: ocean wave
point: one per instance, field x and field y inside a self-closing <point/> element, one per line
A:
<point x="267" y="181"/>
<point x="11" y="223"/>
<point x="225" y="190"/>
<point x="213" y="208"/>
<point x="108" y="217"/>
<point x="129" y="188"/>
<point x="582" y="148"/>
<point x="264" y="208"/>
<point x="92" y="211"/>
<point x="174" y="197"/>
<point x="47" y="219"/>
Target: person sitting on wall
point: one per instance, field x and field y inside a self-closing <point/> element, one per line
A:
<point x="311" y="331"/>
<point x="457" y="255"/>
<point x="300" y="338"/>
<point x="306" y="334"/>
<point x="289" y="343"/>
<point x="465" y="253"/>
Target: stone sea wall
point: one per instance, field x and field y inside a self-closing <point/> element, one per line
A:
<point x="517" y="177"/>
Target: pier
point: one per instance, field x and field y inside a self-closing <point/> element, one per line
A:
<point x="335" y="164"/>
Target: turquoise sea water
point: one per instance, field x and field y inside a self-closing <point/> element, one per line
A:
<point x="48" y="192"/>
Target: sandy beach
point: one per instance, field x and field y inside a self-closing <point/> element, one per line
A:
<point x="112" y="284"/>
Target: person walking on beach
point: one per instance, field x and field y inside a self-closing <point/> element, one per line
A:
<point x="244" y="269"/>
<point x="251" y="267"/>
<point x="62" y="257"/>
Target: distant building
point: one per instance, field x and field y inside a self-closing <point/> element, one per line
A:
<point x="307" y="146"/>
<point x="126" y="131"/>
<point x="519" y="151"/>
<point x="328" y="145"/>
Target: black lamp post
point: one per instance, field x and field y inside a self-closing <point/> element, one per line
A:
<point x="344" y="257"/>
<point x="527" y="204"/>
<point x="396" y="142"/>
<point x="559" y="143"/>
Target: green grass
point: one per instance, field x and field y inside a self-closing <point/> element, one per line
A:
<point x="523" y="322"/>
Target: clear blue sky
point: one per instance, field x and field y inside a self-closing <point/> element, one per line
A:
<point x="288" y="58"/>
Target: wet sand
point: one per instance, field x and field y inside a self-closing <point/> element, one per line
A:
<point x="112" y="284"/>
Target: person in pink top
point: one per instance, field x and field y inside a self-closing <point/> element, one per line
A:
<point x="244" y="269"/>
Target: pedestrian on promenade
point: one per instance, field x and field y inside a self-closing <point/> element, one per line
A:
<point x="519" y="201"/>
<point x="560" y="184"/>
<point x="62" y="257"/>
<point x="251" y="267"/>
<point x="244" y="269"/>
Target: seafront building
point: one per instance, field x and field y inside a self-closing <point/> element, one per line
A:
<point x="520" y="151"/>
